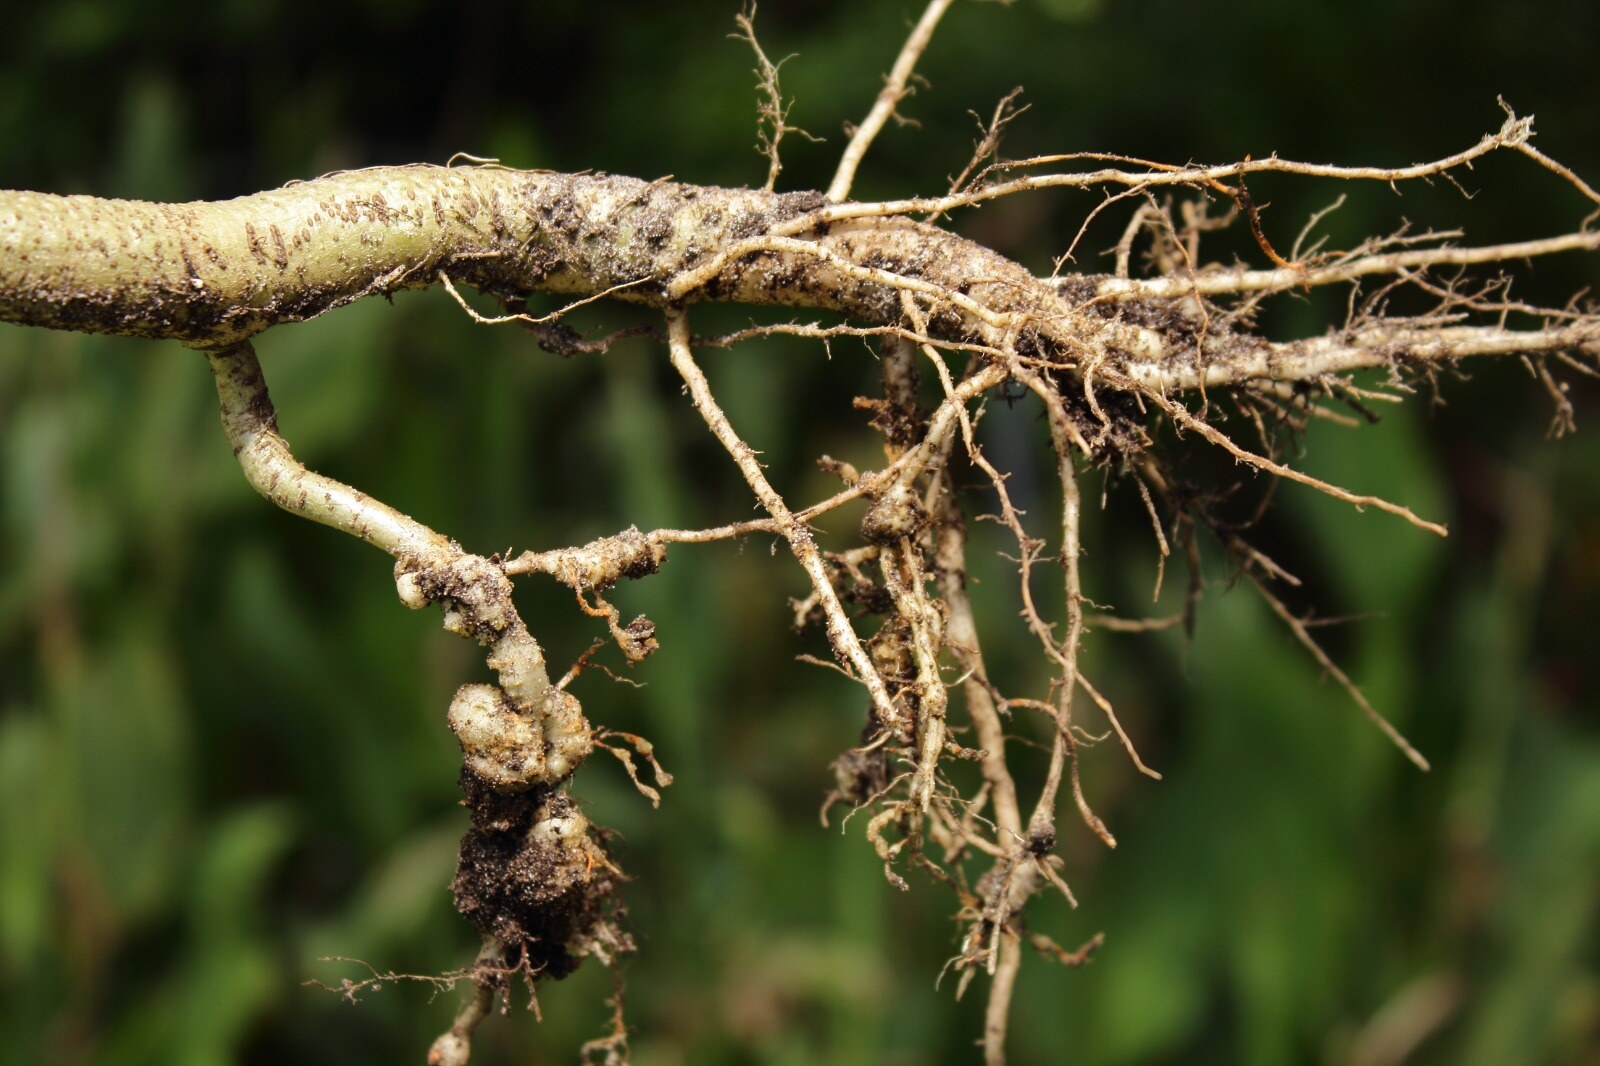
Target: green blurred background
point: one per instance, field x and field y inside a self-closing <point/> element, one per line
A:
<point x="222" y="749"/>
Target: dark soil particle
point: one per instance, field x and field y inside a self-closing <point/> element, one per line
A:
<point x="860" y="775"/>
<point x="499" y="812"/>
<point x="542" y="893"/>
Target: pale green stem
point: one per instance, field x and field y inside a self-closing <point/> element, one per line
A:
<point x="524" y="731"/>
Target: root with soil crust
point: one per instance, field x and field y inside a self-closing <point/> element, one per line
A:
<point x="1125" y="370"/>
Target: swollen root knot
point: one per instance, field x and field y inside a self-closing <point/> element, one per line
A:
<point x="409" y="585"/>
<point x="896" y="514"/>
<point x="451" y="1049"/>
<point x="513" y="750"/>
<point x="599" y="564"/>
<point x="474" y="592"/>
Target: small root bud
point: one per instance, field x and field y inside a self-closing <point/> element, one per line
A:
<point x="409" y="587"/>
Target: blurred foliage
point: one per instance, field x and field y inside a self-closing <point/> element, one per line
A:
<point x="222" y="748"/>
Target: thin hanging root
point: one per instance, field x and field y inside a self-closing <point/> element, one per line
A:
<point x="984" y="712"/>
<point x="1180" y="415"/>
<point x="613" y="1047"/>
<point x="583" y="663"/>
<point x="773" y="111"/>
<point x="1113" y="624"/>
<point x="646" y="750"/>
<point x="886" y="851"/>
<point x="1046" y="867"/>
<point x="894" y="89"/>
<point x="1514" y="134"/>
<point x="1013" y="886"/>
<point x="636" y="640"/>
<point x="897" y="511"/>
<point x="1091" y="819"/>
<point x="996" y="915"/>
<point x="961" y="633"/>
<point x="1161" y="537"/>
<point x="841" y="634"/>
<point x="987" y="146"/>
<point x="1050" y="949"/>
<point x="1301" y="633"/>
<point x="902" y="572"/>
<point x="1063" y="747"/>
<point x="454" y="1046"/>
<point x="1116" y="724"/>
<point x="529" y="320"/>
<point x="1004" y="983"/>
